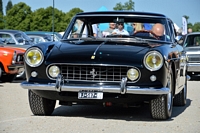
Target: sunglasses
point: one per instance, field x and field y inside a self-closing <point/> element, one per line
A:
<point x="121" y="24"/>
<point x="134" y="24"/>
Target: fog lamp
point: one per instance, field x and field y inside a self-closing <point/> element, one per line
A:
<point x="132" y="74"/>
<point x="54" y="71"/>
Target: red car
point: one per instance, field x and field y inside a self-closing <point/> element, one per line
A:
<point x="11" y="62"/>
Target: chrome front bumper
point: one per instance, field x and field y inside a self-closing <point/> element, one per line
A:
<point x="59" y="86"/>
<point x="193" y="67"/>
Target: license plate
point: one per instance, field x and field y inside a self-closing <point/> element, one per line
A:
<point x="85" y="94"/>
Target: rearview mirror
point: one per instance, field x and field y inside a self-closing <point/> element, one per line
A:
<point x="118" y="20"/>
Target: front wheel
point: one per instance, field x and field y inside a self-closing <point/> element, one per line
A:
<point x="181" y="97"/>
<point x="40" y="105"/>
<point x="161" y="108"/>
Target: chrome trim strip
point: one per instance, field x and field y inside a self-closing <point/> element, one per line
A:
<point x="108" y="89"/>
<point x="193" y="67"/>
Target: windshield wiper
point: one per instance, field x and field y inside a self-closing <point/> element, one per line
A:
<point x="93" y="56"/>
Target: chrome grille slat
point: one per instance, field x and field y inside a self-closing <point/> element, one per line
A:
<point x="93" y="73"/>
<point x="194" y="58"/>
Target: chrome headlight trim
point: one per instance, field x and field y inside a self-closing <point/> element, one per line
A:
<point x="153" y="57"/>
<point x="37" y="54"/>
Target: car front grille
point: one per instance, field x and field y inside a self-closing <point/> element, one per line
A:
<point x="93" y="72"/>
<point x="194" y="58"/>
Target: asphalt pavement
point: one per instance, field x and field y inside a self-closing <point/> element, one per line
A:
<point x="16" y="116"/>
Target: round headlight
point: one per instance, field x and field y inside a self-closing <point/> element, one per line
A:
<point x="34" y="57"/>
<point x="54" y="71"/>
<point x="133" y="74"/>
<point x="153" y="61"/>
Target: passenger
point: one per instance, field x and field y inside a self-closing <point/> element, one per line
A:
<point x="120" y="30"/>
<point x="137" y="27"/>
<point x="112" y="26"/>
<point x="158" y="29"/>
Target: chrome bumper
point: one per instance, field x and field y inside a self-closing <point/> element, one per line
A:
<point x="122" y="89"/>
<point x="193" y="67"/>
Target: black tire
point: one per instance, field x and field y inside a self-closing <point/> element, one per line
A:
<point x="8" y="78"/>
<point x="161" y="108"/>
<point x="40" y="105"/>
<point x="181" y="97"/>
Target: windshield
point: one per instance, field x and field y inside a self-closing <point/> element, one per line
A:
<point x="192" y="41"/>
<point x="118" y="27"/>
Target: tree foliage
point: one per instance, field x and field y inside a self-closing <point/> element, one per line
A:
<point x="9" y="6"/>
<point x="127" y="6"/>
<point x="19" y="17"/>
<point x="196" y="27"/>
<point x="1" y="7"/>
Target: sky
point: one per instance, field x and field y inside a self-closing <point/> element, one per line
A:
<point x="174" y="9"/>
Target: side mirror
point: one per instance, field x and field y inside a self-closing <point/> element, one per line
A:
<point x="179" y="40"/>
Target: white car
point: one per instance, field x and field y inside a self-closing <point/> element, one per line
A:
<point x="192" y="48"/>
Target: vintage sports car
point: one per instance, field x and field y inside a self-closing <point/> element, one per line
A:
<point x="11" y="63"/>
<point x="111" y="69"/>
<point x="192" y="48"/>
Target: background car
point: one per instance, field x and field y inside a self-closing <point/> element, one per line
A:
<point x="43" y="36"/>
<point x="192" y="48"/>
<point x="11" y="63"/>
<point x="15" y="38"/>
<point x="123" y="70"/>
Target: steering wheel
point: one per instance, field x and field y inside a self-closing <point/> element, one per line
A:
<point x="148" y="31"/>
<point x="117" y="36"/>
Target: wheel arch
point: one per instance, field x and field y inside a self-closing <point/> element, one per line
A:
<point x="173" y="68"/>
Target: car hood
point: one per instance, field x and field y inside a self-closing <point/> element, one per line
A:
<point x="97" y="54"/>
<point x="192" y="49"/>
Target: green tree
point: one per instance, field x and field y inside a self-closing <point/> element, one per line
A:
<point x="127" y="6"/>
<point x="9" y="6"/>
<point x="69" y="15"/>
<point x="2" y="21"/>
<point x="196" y="27"/>
<point x="19" y="17"/>
<point x="42" y="19"/>
<point x="1" y="7"/>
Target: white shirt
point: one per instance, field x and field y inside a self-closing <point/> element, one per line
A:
<point x="123" y="32"/>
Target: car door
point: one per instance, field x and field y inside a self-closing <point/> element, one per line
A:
<point x="181" y="64"/>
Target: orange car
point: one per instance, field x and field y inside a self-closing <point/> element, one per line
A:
<point x="11" y="62"/>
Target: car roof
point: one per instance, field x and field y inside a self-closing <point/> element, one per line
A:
<point x="194" y="33"/>
<point x="40" y="32"/>
<point x="121" y="13"/>
<point x="11" y="31"/>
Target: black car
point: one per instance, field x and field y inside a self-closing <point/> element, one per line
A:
<point x="111" y="69"/>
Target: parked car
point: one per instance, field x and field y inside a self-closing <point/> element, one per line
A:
<point x="43" y="36"/>
<point x="11" y="63"/>
<point x="15" y="39"/>
<point x="111" y="70"/>
<point x="192" y="48"/>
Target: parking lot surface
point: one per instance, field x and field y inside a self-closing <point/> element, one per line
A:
<point x="16" y="116"/>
